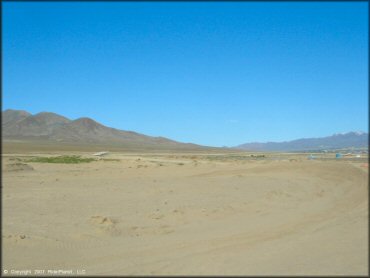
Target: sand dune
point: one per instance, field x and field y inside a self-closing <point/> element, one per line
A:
<point x="186" y="214"/>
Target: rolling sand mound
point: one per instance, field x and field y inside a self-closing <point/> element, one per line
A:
<point x="175" y="216"/>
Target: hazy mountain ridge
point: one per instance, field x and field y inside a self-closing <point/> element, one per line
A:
<point x="337" y="141"/>
<point x="47" y="126"/>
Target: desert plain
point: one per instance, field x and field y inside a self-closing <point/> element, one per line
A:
<point x="171" y="213"/>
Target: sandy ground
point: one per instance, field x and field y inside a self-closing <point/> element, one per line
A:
<point x="180" y="214"/>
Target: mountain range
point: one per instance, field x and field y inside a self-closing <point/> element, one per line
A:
<point x="335" y="141"/>
<point x="18" y="125"/>
<point x="50" y="128"/>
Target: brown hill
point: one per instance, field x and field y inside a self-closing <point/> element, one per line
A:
<point x="40" y="125"/>
<point x="50" y="127"/>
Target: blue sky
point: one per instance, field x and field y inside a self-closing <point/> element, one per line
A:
<point x="211" y="73"/>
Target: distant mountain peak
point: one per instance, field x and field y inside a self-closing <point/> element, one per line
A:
<point x="360" y="132"/>
<point x="16" y="111"/>
<point x="11" y="115"/>
<point x="87" y="122"/>
<point x="352" y="139"/>
<point x="49" y="116"/>
<point x="350" y="133"/>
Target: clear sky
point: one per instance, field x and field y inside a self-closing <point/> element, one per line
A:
<point x="211" y="73"/>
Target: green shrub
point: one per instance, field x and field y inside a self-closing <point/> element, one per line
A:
<point x="62" y="159"/>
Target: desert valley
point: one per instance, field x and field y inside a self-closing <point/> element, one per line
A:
<point x="154" y="206"/>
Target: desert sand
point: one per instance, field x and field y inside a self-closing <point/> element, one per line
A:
<point x="186" y="214"/>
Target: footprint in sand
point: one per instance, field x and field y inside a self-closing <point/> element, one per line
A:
<point x="275" y="194"/>
<point x="178" y="211"/>
<point x="156" y="216"/>
<point x="15" y="238"/>
<point x="101" y="220"/>
<point x="150" y="230"/>
<point x="105" y="225"/>
<point x="320" y="193"/>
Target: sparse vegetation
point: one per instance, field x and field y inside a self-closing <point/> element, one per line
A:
<point x="258" y="156"/>
<point x="62" y="159"/>
<point x="18" y="164"/>
<point x="15" y="159"/>
<point x="227" y="157"/>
